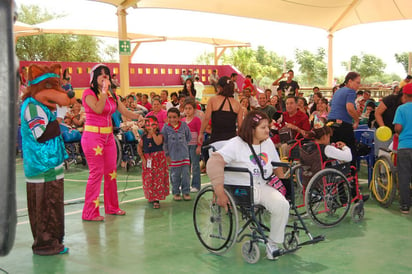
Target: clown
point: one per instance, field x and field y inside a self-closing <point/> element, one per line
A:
<point x="44" y="154"/>
<point x="98" y="144"/>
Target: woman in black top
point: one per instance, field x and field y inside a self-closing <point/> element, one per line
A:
<point x="226" y="113"/>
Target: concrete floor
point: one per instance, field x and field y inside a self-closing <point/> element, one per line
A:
<point x="148" y="240"/>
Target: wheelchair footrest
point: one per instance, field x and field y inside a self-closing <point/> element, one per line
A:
<point x="315" y="240"/>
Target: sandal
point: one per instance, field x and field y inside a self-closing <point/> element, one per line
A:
<point x="177" y="197"/>
<point x="156" y="204"/>
<point x="187" y="197"/>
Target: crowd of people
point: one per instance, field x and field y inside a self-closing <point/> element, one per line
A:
<point x="172" y="130"/>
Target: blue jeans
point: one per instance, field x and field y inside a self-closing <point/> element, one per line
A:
<point x="180" y="179"/>
<point x="195" y="164"/>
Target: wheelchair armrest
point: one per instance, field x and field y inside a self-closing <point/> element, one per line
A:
<point x="237" y="169"/>
<point x="209" y="147"/>
<point x="280" y="164"/>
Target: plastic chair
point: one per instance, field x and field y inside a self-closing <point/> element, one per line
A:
<point x="366" y="136"/>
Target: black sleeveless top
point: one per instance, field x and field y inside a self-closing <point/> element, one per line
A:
<point x="149" y="145"/>
<point x="223" y="123"/>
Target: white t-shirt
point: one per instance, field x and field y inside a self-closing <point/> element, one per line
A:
<point x="237" y="153"/>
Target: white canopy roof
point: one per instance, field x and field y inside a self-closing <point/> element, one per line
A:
<point x="330" y="15"/>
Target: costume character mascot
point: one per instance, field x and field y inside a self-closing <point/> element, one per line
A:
<point x="44" y="153"/>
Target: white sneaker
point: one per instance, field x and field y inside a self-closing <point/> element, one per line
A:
<point x="270" y="249"/>
<point x="194" y="189"/>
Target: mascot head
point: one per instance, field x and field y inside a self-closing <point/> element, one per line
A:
<point x="44" y="85"/>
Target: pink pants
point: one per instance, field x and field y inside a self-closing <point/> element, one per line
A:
<point x="100" y="151"/>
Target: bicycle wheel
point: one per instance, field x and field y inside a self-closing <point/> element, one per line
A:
<point x="215" y="228"/>
<point x="383" y="185"/>
<point x="328" y="197"/>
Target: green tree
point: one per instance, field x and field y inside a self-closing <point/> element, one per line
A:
<point x="312" y="67"/>
<point x="403" y="59"/>
<point x="367" y="65"/>
<point x="207" y="58"/>
<point x="55" y="47"/>
<point x="258" y="63"/>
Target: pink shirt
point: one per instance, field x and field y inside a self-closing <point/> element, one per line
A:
<point x="161" y="117"/>
<point x="194" y="127"/>
<point x="103" y="119"/>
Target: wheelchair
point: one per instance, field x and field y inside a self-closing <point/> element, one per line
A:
<point x="324" y="190"/>
<point x="384" y="183"/>
<point x="126" y="144"/>
<point x="72" y="138"/>
<point x="218" y="230"/>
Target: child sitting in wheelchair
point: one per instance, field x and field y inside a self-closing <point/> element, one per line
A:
<point x="237" y="152"/>
<point x="320" y="152"/>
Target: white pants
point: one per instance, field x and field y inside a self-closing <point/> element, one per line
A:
<point x="277" y="205"/>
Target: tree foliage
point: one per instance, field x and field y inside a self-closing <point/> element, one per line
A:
<point x="312" y="67"/>
<point x="367" y="65"/>
<point x="207" y="58"/>
<point x="260" y="63"/>
<point x="56" y="47"/>
<point x="403" y="59"/>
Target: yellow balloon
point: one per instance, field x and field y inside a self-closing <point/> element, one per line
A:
<point x="383" y="133"/>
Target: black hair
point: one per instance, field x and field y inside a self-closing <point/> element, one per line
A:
<point x="174" y="110"/>
<point x="233" y="74"/>
<point x="351" y="76"/>
<point x="227" y="86"/>
<point x="97" y="71"/>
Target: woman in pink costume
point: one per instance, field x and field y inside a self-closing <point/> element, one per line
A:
<point x="100" y="102"/>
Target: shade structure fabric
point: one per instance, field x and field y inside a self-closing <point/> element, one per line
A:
<point x="325" y="14"/>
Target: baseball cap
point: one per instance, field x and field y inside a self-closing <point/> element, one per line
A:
<point x="407" y="89"/>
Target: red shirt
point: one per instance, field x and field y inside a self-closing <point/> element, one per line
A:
<point x="300" y="120"/>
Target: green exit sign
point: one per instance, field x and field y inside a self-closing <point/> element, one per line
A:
<point x="124" y="47"/>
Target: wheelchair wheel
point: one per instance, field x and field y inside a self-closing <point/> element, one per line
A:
<point x="357" y="212"/>
<point x="291" y="241"/>
<point x="215" y="228"/>
<point x="119" y="149"/>
<point x="328" y="197"/>
<point x="250" y="252"/>
<point x="383" y="185"/>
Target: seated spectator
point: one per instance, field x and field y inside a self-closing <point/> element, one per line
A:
<point x="145" y="102"/>
<point x="364" y="118"/>
<point x="253" y="135"/>
<point x="77" y="116"/>
<point x="158" y="112"/>
<point x="213" y="79"/>
<point x="322" y="111"/>
<point x="265" y="107"/>
<point x="174" y="99"/>
<point x="253" y="103"/>
<point x="303" y="105"/>
<point x="164" y="99"/>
